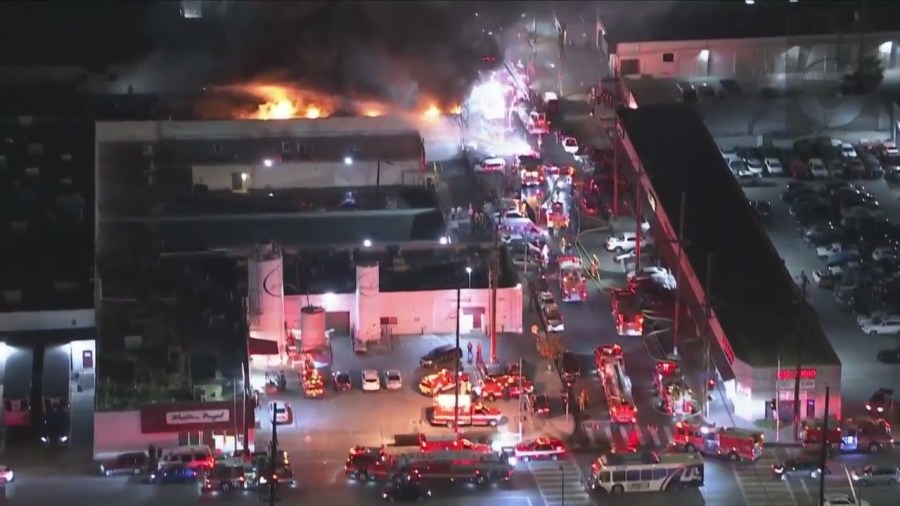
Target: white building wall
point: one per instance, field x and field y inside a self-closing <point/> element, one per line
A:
<point x="756" y="385"/>
<point x="307" y="175"/>
<point x="266" y="302"/>
<point x="121" y="433"/>
<point x="47" y="320"/>
<point x="368" y="303"/>
<point x="423" y="312"/>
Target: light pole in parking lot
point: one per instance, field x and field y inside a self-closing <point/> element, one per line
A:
<point x="562" y="486"/>
<point x="676" y="326"/>
<point x="458" y="353"/>
<point x="469" y="272"/>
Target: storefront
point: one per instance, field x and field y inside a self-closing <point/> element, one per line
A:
<point x="762" y="391"/>
<point x="219" y="425"/>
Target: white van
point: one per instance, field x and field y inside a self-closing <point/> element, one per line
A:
<point x="491" y="165"/>
<point x="193" y="456"/>
<point x="624" y="242"/>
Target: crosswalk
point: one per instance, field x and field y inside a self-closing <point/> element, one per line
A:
<point x="757" y="484"/>
<point x="601" y="433"/>
<point x="560" y="483"/>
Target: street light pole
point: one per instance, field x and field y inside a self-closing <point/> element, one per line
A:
<point x="676" y="325"/>
<point x="562" y="486"/>
<point x="458" y="361"/>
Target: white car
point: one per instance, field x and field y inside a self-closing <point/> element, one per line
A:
<point x="848" y="151"/>
<point x="282" y="412"/>
<point x="546" y="299"/>
<point x="553" y="318"/>
<point x="884" y="253"/>
<point x="393" y="380"/>
<point x="624" y="242"/>
<point x="881" y="325"/>
<point x="843" y="500"/>
<point x="7" y="474"/>
<point x="739" y="168"/>
<point x="826" y="250"/>
<point x="570" y="145"/>
<point x="370" y="381"/>
<point x="755" y="166"/>
<point x="817" y="168"/>
<point x="773" y="166"/>
<point x="489" y="165"/>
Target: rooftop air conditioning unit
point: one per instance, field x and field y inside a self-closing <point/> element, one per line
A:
<point x="12" y="296"/>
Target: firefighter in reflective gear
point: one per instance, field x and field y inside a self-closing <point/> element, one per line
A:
<point x="562" y="245"/>
<point x="594" y="268"/>
<point x="583" y="400"/>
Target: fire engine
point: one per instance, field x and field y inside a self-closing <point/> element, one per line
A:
<point x="617" y="387"/>
<point x="443" y="381"/>
<point x="531" y="177"/>
<point x="470" y="413"/>
<point x="454" y="442"/>
<point x="557" y="215"/>
<point x="607" y="352"/>
<point x="676" y="398"/>
<point x="310" y="379"/>
<point x="627" y="314"/>
<point x="537" y="124"/>
<point x="734" y="443"/>
<point x="572" y="283"/>
<point x="862" y="434"/>
<point x="372" y="463"/>
<point x="664" y="371"/>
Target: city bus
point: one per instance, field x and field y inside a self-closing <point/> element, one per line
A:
<point x="645" y="472"/>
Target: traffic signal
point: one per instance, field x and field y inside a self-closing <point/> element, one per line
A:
<point x="711" y="383"/>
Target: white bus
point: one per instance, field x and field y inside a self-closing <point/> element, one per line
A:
<point x="646" y="472"/>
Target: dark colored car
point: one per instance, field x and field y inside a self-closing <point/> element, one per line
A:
<point x="405" y="491"/>
<point x="342" y="381"/>
<point x="881" y="402"/>
<point x="126" y="463"/>
<point x="225" y="478"/>
<point x="178" y="473"/>
<point x="799" y="467"/>
<point x="540" y="404"/>
<point x="889" y="356"/>
<point x="877" y="475"/>
<point x="441" y="357"/>
<point x="763" y="211"/>
<point x="569" y="370"/>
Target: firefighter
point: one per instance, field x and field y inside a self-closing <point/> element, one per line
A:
<point x="594" y="268"/>
<point x="562" y="245"/>
<point x="583" y="400"/>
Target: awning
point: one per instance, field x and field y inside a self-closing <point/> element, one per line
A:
<point x="263" y="347"/>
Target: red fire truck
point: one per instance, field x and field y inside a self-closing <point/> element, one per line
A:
<point x="572" y="283"/>
<point x="604" y="353"/>
<point x="627" y="313"/>
<point x="861" y="434"/>
<point x="664" y="371"/>
<point x="454" y="442"/>
<point x="372" y="463"/>
<point x="470" y="413"/>
<point x="617" y="388"/>
<point x="736" y="444"/>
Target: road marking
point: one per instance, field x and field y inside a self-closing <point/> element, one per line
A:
<point x="654" y="435"/>
<point x="559" y="483"/>
<point x="669" y="433"/>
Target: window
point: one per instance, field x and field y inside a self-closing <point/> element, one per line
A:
<point x="630" y="67"/>
<point x="660" y="474"/>
<point x="618" y="476"/>
<point x="646" y="474"/>
<point x="632" y="475"/>
<point x="286" y="147"/>
<point x="217" y="149"/>
<point x="604" y="477"/>
<point x="668" y="57"/>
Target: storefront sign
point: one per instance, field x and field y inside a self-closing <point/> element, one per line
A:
<point x="205" y="416"/>
<point x="791" y="374"/>
<point x="195" y="416"/>
<point x="805" y="384"/>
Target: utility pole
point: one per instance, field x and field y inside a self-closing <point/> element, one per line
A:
<point x="677" y="324"/>
<point x="706" y="363"/>
<point x="823" y="455"/>
<point x="521" y="398"/>
<point x="245" y="369"/>
<point x="804" y="283"/>
<point x="777" y="401"/>
<point x="458" y="358"/>
<point x="638" y="218"/>
<point x="494" y="279"/>
<point x="274" y="454"/>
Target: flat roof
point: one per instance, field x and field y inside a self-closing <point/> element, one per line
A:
<point x="292" y="230"/>
<point x="680" y="21"/>
<point x="754" y="296"/>
<point x="154" y="131"/>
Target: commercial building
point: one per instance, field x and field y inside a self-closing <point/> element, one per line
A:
<point x="738" y="293"/>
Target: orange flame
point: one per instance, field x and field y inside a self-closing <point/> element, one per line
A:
<point x="286" y="102"/>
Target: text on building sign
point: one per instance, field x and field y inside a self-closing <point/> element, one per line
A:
<point x="198" y="416"/>
<point x="791" y="374"/>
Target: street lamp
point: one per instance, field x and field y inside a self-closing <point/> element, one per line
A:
<point x="443" y="240"/>
<point x="367" y="243"/>
<point x="469" y="272"/>
<point x="562" y="486"/>
<point x="268" y="162"/>
<point x="348" y="160"/>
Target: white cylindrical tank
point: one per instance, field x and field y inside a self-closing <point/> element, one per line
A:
<point x="368" y="308"/>
<point x="312" y="328"/>
<point x="266" y="294"/>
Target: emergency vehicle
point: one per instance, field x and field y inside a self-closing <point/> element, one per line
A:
<point x="572" y="283"/>
<point x="676" y="398"/>
<point x="470" y="413"/>
<point x="627" y="314"/>
<point x="664" y="371"/>
<point x="557" y="214"/>
<point x="372" y="463"/>
<point x="537" y="124"/>
<point x="607" y="352"/>
<point x="645" y="472"/>
<point x="617" y="388"/>
<point x="314" y="386"/>
<point x="540" y="448"/>
<point x="443" y="381"/>
<point x="454" y="442"/>
<point x="862" y="434"/>
<point x="531" y="176"/>
<point x="734" y="443"/>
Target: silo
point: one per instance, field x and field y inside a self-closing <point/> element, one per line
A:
<point x="312" y="328"/>
<point x="266" y="293"/>
<point x="368" y="307"/>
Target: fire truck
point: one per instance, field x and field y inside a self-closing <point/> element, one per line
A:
<point x="627" y="313"/>
<point x="676" y="398"/>
<point x="734" y="443"/>
<point x="371" y="463"/>
<point x="470" y="413"/>
<point x="557" y="214"/>
<point x="617" y="388"/>
<point x="310" y="379"/>
<point x="572" y="283"/>
<point x="862" y="434"/>
<point x="537" y="124"/>
<point x="453" y="442"/>
<point x="664" y="371"/>
<point x="607" y="352"/>
<point x="443" y="381"/>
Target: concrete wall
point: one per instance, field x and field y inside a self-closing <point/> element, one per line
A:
<point x="117" y="432"/>
<point x="307" y="174"/>
<point x="757" y="60"/>
<point x="756" y="386"/>
<point x="424" y="312"/>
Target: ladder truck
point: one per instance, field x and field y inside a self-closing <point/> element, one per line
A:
<point x="617" y="388"/>
<point x="572" y="284"/>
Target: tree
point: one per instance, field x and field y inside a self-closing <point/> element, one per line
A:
<point x="549" y="346"/>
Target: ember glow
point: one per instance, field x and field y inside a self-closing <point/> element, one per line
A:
<point x="433" y="112"/>
<point x="285" y="102"/>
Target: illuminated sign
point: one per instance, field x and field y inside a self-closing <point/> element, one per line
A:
<point x="791" y="374"/>
<point x="726" y="349"/>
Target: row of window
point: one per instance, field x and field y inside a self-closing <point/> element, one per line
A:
<point x="634" y="475"/>
<point x="287" y="148"/>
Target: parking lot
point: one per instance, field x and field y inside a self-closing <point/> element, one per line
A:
<point x="862" y="373"/>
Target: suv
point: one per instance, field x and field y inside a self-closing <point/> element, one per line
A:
<point x="442" y="357"/>
<point x="625" y="241"/>
<point x="802" y="466"/>
<point x="126" y="463"/>
<point x="569" y="370"/>
<point x="226" y="478"/>
<point x="877" y="475"/>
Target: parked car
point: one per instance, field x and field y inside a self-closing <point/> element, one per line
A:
<point x="126" y="463"/>
<point x="891" y="356"/>
<point x="755" y="166"/>
<point x="393" y="380"/>
<point x="342" y="381"/>
<point x="370" y="381"/>
<point x="877" y="475"/>
<point x="570" y="145"/>
<point x="625" y="241"/>
<point x="848" y="151"/>
<point x="773" y="166"/>
<point x="490" y="165"/>
<point x="763" y="211"/>
<point x="817" y="168"/>
<point x="881" y="325"/>
<point x="872" y="166"/>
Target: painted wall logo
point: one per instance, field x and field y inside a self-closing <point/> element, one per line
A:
<point x="206" y="416"/>
<point x="821" y="101"/>
<point x="272" y="283"/>
<point x="367" y="284"/>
